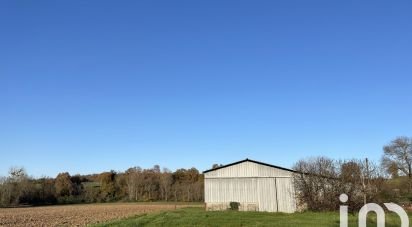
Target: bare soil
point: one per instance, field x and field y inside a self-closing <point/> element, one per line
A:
<point x="77" y="215"/>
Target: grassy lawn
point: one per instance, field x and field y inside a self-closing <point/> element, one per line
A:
<point x="199" y="217"/>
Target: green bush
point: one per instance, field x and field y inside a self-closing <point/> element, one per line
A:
<point x="234" y="205"/>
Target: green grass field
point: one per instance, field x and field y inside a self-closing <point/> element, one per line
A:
<point x="200" y="217"/>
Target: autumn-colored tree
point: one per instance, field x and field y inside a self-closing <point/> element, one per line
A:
<point x="136" y="184"/>
<point x="107" y="185"/>
<point x="188" y="185"/>
<point x="63" y="184"/>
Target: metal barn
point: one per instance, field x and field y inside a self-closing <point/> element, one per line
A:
<point x="257" y="186"/>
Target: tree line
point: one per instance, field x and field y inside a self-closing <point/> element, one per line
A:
<point x="321" y="180"/>
<point x="134" y="184"/>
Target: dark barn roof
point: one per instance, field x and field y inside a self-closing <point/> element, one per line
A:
<point x="249" y="160"/>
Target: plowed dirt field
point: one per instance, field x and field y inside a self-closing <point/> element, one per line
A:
<point x="77" y="215"/>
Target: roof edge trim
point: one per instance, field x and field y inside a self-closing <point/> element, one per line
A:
<point x="249" y="160"/>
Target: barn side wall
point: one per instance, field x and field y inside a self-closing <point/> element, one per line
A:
<point x="256" y="187"/>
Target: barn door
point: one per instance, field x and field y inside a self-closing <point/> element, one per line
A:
<point x="266" y="189"/>
<point x="285" y="195"/>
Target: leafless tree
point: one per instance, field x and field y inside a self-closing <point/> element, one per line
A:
<point x="166" y="181"/>
<point x="315" y="183"/>
<point x="321" y="180"/>
<point x="134" y="182"/>
<point x="397" y="157"/>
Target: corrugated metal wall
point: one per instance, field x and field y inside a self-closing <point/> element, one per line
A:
<point x="248" y="169"/>
<point x="269" y="188"/>
<point x="232" y="190"/>
<point x="266" y="190"/>
<point x="286" y="195"/>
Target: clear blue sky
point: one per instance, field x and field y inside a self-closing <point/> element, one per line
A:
<point x="90" y="86"/>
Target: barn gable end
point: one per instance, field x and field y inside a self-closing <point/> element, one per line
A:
<point x="247" y="169"/>
<point x="255" y="185"/>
